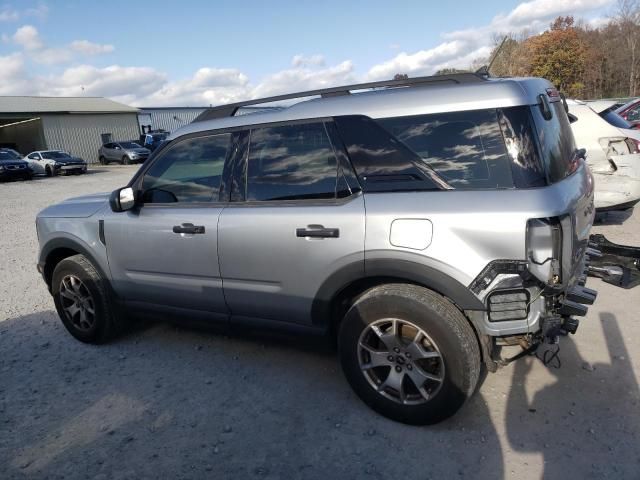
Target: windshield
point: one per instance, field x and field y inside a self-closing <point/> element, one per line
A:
<point x="614" y="119"/>
<point x="130" y="145"/>
<point x="55" y="155"/>
<point x="158" y="137"/>
<point x="9" y="155"/>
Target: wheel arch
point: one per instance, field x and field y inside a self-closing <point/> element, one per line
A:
<point x="57" y="249"/>
<point x="339" y="291"/>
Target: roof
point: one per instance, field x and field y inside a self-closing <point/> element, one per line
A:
<point x="392" y="102"/>
<point x="62" y="105"/>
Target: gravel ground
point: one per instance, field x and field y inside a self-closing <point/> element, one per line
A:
<point x="167" y="402"/>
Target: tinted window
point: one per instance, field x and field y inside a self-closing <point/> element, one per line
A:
<point x="466" y="148"/>
<point x="614" y="119"/>
<point x="381" y="161"/>
<point x="291" y="162"/>
<point x="557" y="147"/>
<point x="519" y="138"/>
<point x="189" y="171"/>
<point x="34" y="156"/>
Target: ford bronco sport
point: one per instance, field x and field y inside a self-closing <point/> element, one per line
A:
<point x="423" y="223"/>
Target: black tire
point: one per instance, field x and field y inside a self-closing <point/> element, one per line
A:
<point x="126" y="160"/>
<point x="454" y="339"/>
<point x="103" y="161"/>
<point x="106" y="321"/>
<point x="48" y="171"/>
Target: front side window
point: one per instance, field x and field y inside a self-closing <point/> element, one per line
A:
<point x="291" y="162"/>
<point x="189" y="171"/>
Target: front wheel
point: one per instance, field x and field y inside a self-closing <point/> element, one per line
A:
<point x="409" y="353"/>
<point x="48" y="171"/>
<point x="83" y="301"/>
<point x="126" y="160"/>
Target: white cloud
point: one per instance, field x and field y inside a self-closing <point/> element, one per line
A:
<point x="89" y="48"/>
<point x="14" y="76"/>
<point x="28" y="38"/>
<point x="305" y="61"/>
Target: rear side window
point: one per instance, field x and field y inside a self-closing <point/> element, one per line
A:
<point x="466" y="148"/>
<point x="557" y="146"/>
<point x="291" y="162"/>
<point x="189" y="171"/>
<point x="614" y="119"/>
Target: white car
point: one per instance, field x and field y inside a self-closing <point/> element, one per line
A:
<point x="613" y="154"/>
<point x="54" y="162"/>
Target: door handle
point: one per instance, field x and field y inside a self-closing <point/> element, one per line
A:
<point x="317" y="231"/>
<point x="188" y="228"/>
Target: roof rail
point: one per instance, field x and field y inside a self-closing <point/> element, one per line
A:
<point x="229" y="110"/>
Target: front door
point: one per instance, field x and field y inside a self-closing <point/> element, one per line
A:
<point x="295" y="224"/>
<point x="165" y="251"/>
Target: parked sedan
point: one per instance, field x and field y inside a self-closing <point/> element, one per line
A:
<point x="122" y="152"/>
<point x="613" y="154"/>
<point x="54" y="162"/>
<point x="12" y="166"/>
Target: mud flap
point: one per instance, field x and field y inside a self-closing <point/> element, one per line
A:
<point x="619" y="265"/>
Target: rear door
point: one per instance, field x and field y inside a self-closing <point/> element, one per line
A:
<point x="293" y="221"/>
<point x="165" y="252"/>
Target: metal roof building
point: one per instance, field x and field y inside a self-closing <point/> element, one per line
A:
<point x="78" y="125"/>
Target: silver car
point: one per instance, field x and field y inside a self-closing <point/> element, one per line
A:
<point x="422" y="223"/>
<point x="122" y="152"/>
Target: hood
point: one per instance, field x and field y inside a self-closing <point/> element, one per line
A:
<point x="13" y="162"/>
<point x="140" y="150"/>
<point x="77" y="207"/>
<point x="69" y="161"/>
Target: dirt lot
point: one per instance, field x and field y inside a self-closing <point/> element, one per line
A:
<point x="167" y="402"/>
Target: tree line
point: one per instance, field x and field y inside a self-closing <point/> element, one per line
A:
<point x="581" y="60"/>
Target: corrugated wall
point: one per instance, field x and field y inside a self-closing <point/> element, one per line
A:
<point x="168" y="119"/>
<point x="80" y="133"/>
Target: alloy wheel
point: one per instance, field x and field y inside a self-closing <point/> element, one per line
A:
<point x="400" y="361"/>
<point x="77" y="303"/>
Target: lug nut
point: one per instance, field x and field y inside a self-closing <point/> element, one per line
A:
<point x="398" y="368"/>
<point x="409" y="367"/>
<point x="390" y="358"/>
<point x="408" y="355"/>
<point x="396" y="349"/>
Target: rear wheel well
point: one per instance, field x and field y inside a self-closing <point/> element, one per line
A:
<point x="345" y="298"/>
<point x="55" y="257"/>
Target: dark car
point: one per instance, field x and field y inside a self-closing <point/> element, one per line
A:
<point x="12" y="166"/>
<point x="153" y="140"/>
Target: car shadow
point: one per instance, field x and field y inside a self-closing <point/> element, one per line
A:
<point x="586" y="408"/>
<point x="167" y="401"/>
<point x="613" y="217"/>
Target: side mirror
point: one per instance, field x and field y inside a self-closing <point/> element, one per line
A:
<point x="122" y="199"/>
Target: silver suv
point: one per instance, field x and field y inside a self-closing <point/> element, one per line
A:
<point x="422" y="223"/>
<point x="122" y="152"/>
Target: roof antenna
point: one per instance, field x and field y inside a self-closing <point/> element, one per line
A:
<point x="485" y="70"/>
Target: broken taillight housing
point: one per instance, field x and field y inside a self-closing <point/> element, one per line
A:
<point x="544" y="249"/>
<point x="633" y="144"/>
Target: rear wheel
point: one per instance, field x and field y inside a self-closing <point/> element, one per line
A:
<point x="103" y="161"/>
<point x="409" y="353"/>
<point x="83" y="301"/>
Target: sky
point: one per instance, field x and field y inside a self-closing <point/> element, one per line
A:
<point x="198" y="53"/>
